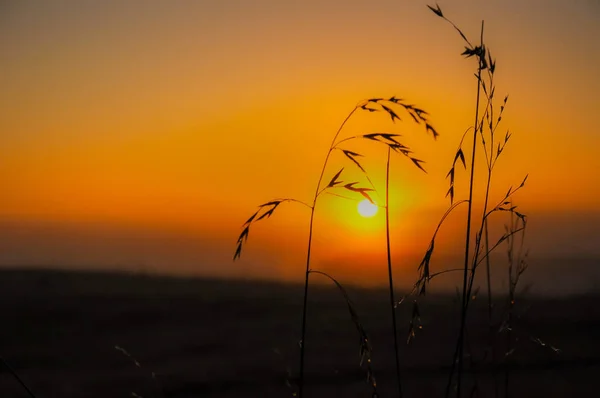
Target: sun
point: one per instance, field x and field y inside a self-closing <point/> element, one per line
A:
<point x="367" y="209"/>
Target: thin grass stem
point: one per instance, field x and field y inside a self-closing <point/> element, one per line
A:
<point x="391" y="279"/>
<point x="461" y="336"/>
<point x="308" y="253"/>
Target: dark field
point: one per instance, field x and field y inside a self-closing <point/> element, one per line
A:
<point x="210" y="338"/>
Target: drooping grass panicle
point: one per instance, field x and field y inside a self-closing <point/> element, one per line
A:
<point x="388" y="139"/>
<point x="388" y="105"/>
<point x="265" y="210"/>
<point x="352" y="156"/>
<point x="335" y="182"/>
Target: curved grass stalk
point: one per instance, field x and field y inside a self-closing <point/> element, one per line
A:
<point x="310" y="233"/>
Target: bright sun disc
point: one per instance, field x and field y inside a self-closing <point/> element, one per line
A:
<point x="367" y="209"/>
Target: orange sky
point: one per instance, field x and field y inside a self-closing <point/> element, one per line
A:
<point x="138" y="135"/>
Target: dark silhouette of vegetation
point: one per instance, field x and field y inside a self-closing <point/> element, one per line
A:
<point x="390" y="106"/>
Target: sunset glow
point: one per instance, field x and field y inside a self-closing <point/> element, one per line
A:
<point x="147" y="135"/>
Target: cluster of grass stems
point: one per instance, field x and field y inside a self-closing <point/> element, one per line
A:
<point x="486" y="138"/>
<point x="477" y="247"/>
<point x="484" y="132"/>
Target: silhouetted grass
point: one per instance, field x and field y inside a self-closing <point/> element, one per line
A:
<point x="483" y="131"/>
<point x="390" y="106"/>
<point x="477" y="246"/>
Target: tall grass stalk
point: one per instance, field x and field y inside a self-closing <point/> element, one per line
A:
<point x="390" y="277"/>
<point x="308" y="252"/>
<point x="318" y="190"/>
<point x="463" y="315"/>
<point x="473" y="257"/>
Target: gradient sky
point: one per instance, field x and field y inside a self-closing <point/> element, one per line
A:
<point x="141" y="134"/>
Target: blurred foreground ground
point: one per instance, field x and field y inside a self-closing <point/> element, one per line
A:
<point x="211" y="338"/>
